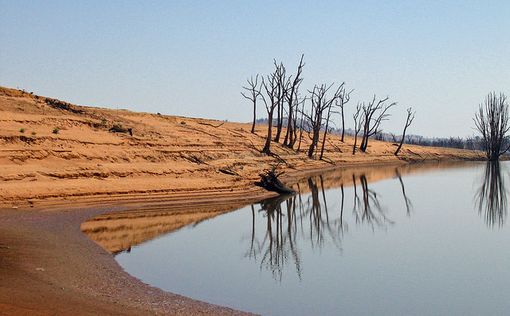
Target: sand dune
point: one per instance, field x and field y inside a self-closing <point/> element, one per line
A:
<point x="166" y="154"/>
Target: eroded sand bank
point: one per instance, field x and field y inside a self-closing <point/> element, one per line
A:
<point x="192" y="169"/>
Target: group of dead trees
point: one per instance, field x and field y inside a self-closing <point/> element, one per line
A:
<point x="279" y="92"/>
<point x="311" y="114"/>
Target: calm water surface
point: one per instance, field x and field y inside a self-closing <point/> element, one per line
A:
<point x="404" y="243"/>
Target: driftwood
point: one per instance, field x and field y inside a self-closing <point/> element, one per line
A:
<point x="270" y="182"/>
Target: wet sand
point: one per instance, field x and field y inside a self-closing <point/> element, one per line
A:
<point x="49" y="267"/>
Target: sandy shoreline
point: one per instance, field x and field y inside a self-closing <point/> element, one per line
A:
<point x="52" y="183"/>
<point x="50" y="267"/>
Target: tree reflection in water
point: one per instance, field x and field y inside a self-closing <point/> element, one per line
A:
<point x="409" y="204"/>
<point x="306" y="219"/>
<point x="370" y="210"/>
<point x="492" y="196"/>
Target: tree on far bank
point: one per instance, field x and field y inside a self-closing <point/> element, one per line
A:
<point x="492" y="121"/>
<point x="252" y="93"/>
<point x="409" y="121"/>
<point x="273" y="87"/>
<point x="282" y="90"/>
<point x="340" y="103"/>
<point x="358" y="123"/>
<point x="320" y="114"/>
<point x="292" y="103"/>
<point x="373" y="115"/>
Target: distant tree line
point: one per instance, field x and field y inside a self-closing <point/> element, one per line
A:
<point x="471" y="143"/>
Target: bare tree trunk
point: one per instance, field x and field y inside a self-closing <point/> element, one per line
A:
<point x="300" y="137"/>
<point x="292" y="140"/>
<point x="315" y="140"/>
<point x="373" y="115"/>
<point x="278" y="123"/>
<point x="343" y="126"/>
<point x="273" y="89"/>
<point x="343" y="99"/>
<point x="320" y="102"/>
<point x="301" y="125"/>
<point x="267" y="145"/>
<point x="357" y="127"/>
<point x="253" y="93"/>
<point x="409" y="121"/>
<point x="364" y="142"/>
<point x="288" y="132"/>
<point x="292" y="101"/>
<point x="328" y="116"/>
<point x="254" y="117"/>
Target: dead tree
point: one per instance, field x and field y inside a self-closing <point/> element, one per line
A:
<point x="292" y="104"/>
<point x="492" y="121"/>
<point x="272" y="87"/>
<point x="358" y="123"/>
<point x="294" y="138"/>
<point x="340" y="103"/>
<point x="252" y="93"/>
<point x="301" y="124"/>
<point x="283" y="86"/>
<point x="320" y="103"/>
<point x="409" y="121"/>
<point x="326" y="130"/>
<point x="373" y="115"/>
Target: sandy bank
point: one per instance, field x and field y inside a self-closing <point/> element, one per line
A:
<point x="166" y="155"/>
<point x="195" y="168"/>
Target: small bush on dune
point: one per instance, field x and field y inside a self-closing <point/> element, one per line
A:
<point x="56" y="130"/>
<point x="33" y="133"/>
<point x="21" y="130"/>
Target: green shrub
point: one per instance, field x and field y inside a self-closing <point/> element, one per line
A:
<point x="33" y="133"/>
<point x="22" y="130"/>
<point x="56" y="130"/>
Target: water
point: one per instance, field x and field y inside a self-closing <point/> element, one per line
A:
<point x="418" y="240"/>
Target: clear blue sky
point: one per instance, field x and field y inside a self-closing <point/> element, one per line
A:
<point x="191" y="57"/>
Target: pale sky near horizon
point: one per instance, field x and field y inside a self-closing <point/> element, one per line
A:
<point x="192" y="57"/>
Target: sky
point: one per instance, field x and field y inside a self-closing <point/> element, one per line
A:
<point x="191" y="58"/>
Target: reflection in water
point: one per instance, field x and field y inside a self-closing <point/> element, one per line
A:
<point x="118" y="232"/>
<point x="370" y="211"/>
<point x="293" y="219"/>
<point x="409" y="204"/>
<point x="491" y="197"/>
<point x="360" y="241"/>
